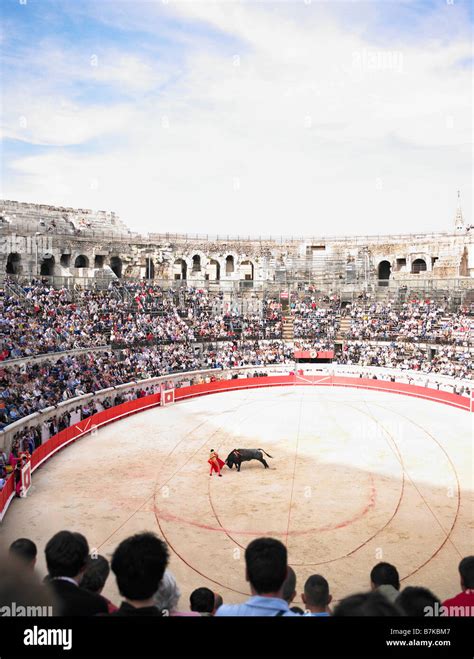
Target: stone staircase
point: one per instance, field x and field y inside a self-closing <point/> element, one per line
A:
<point x="288" y="328"/>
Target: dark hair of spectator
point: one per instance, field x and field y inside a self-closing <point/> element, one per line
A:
<point x="266" y="561"/>
<point x="139" y="563"/>
<point x="316" y="590"/>
<point x="466" y="570"/>
<point x="384" y="574"/>
<point x="24" y="549"/>
<point x="96" y="573"/>
<point x="414" y="600"/>
<point x="366" y="604"/>
<point x="202" y="600"/>
<point x="66" y="554"/>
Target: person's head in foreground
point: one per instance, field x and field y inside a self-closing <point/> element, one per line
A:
<point x="316" y="595"/>
<point x="466" y="573"/>
<point x="202" y="600"/>
<point x="289" y="586"/>
<point x="266" y="567"/>
<point x="139" y="563"/>
<point x="416" y="601"/>
<point x="66" y="555"/>
<point x="25" y="551"/>
<point x="366" y="604"/>
<point x="384" y="578"/>
<point x="167" y="596"/>
<point x="96" y="574"/>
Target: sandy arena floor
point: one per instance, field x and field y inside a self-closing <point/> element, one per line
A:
<point x="357" y="477"/>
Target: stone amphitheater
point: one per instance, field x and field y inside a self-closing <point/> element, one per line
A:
<point x="71" y="244"/>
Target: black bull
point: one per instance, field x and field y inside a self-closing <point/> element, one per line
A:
<point x="239" y="455"/>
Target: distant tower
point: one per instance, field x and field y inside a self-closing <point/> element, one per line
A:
<point x="459" y="225"/>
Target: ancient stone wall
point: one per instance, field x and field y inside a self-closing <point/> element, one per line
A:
<point x="66" y="242"/>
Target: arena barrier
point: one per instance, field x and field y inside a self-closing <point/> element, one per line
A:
<point x="300" y="378"/>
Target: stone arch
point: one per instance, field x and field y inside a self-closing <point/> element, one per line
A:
<point x="99" y="261"/>
<point x="13" y="266"/>
<point x="47" y="265"/>
<point x="229" y="264"/>
<point x="418" y="265"/>
<point x="384" y="270"/>
<point x="247" y="270"/>
<point x="116" y="266"/>
<point x="215" y="267"/>
<point x="196" y="263"/>
<point x="65" y="260"/>
<point x="180" y="269"/>
<point x="149" y="268"/>
<point x="81" y="261"/>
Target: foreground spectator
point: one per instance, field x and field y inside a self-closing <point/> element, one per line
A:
<point x="20" y="589"/>
<point x="316" y="595"/>
<point x="25" y="551"/>
<point x="266" y="563"/>
<point x="366" y="604"/>
<point x="66" y="559"/>
<point x="415" y="601"/>
<point x="384" y="578"/>
<point x="202" y="600"/>
<point x="167" y="596"/>
<point x="139" y="563"/>
<point x="218" y="602"/>
<point x="94" y="577"/>
<point x="463" y="603"/>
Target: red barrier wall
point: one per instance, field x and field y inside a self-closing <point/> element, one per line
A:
<point x="88" y="425"/>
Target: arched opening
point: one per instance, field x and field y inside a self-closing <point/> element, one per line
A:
<point x="47" y="265"/>
<point x="384" y="270"/>
<point x="196" y="263"/>
<point x="81" y="261"/>
<point x="215" y="270"/>
<point x="246" y="270"/>
<point x="99" y="261"/>
<point x="116" y="266"/>
<point x="13" y="264"/>
<point x="418" y="265"/>
<point x="180" y="269"/>
<point x="65" y="260"/>
<point x="149" y="269"/>
<point x="229" y="265"/>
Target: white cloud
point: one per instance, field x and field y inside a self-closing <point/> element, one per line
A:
<point x="311" y="128"/>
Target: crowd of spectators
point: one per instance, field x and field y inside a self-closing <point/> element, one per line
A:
<point x="76" y="578"/>
<point x="148" y="331"/>
<point x="43" y="319"/>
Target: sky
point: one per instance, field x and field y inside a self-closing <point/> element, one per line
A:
<point x="298" y="117"/>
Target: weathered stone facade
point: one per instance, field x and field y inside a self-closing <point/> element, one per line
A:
<point x="66" y="242"/>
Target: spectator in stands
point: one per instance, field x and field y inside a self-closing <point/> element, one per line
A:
<point x="266" y="570"/>
<point x="94" y="577"/>
<point x="167" y="596"/>
<point x="416" y="601"/>
<point x="384" y="578"/>
<point x="366" y="604"/>
<point x="463" y="603"/>
<point x="202" y="600"/>
<point x="316" y="595"/>
<point x="139" y="563"/>
<point x="66" y="558"/>
<point x="25" y="551"/>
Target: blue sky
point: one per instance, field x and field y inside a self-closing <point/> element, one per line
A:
<point x="241" y="117"/>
